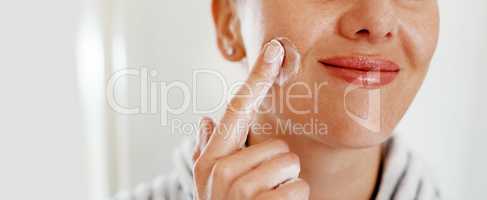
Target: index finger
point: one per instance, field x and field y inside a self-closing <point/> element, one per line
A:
<point x="231" y="133"/>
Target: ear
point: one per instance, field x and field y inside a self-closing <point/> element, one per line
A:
<point x="227" y="26"/>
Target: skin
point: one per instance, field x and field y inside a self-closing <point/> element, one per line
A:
<point x="283" y="165"/>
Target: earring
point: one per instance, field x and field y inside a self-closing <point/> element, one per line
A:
<point x="230" y="51"/>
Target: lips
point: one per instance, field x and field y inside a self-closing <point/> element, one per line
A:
<point x="364" y="71"/>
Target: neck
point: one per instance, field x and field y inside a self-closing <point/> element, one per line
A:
<point x="332" y="173"/>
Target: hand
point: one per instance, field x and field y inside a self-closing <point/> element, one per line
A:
<point x="226" y="170"/>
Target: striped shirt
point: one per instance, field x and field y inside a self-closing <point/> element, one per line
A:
<point x="403" y="177"/>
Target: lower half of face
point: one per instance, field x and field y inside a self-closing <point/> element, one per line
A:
<point x="362" y="62"/>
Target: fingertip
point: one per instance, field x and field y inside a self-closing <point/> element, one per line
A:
<point x="205" y="129"/>
<point x="207" y="123"/>
<point x="273" y="52"/>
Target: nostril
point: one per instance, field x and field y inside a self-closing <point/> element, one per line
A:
<point x="388" y="35"/>
<point x="363" y="32"/>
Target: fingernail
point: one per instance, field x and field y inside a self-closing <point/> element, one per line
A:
<point x="274" y="52"/>
<point x="292" y="170"/>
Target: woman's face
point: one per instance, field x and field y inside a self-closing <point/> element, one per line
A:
<point x="357" y="32"/>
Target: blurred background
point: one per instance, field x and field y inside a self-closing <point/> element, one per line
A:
<point x="63" y="139"/>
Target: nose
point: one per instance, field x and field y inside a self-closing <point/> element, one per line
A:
<point x="370" y="20"/>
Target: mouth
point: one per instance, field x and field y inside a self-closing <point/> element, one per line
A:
<point x="362" y="71"/>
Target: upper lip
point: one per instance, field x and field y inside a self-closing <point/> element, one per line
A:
<point x="361" y="63"/>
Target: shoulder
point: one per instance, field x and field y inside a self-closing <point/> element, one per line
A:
<point x="405" y="175"/>
<point x="178" y="185"/>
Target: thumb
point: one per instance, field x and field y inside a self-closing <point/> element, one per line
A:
<point x="206" y="128"/>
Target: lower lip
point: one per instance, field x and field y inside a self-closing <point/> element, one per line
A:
<point x="364" y="79"/>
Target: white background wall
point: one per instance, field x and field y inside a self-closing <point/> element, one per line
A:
<point x="58" y="141"/>
<point x="41" y="141"/>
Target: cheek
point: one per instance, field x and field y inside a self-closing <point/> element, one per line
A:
<point x="419" y="36"/>
<point x="269" y="19"/>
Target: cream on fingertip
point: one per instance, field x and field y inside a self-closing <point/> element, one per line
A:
<point x="273" y="52"/>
